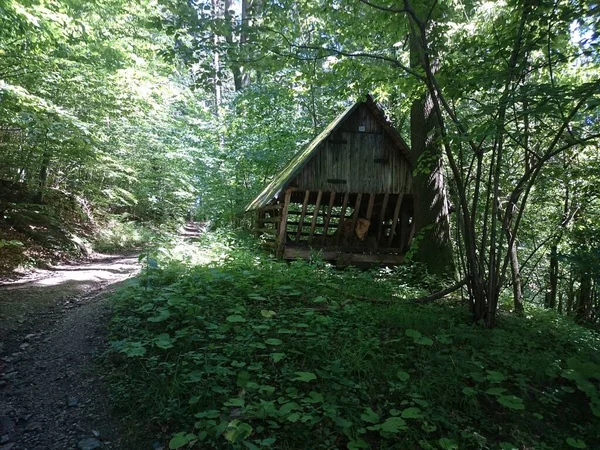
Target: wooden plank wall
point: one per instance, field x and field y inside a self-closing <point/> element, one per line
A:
<point x="351" y="160"/>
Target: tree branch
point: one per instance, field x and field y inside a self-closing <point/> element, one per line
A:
<point x="384" y="8"/>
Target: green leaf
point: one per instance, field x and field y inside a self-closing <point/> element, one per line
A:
<point x="508" y="446"/>
<point x="294" y="417"/>
<point x="194" y="376"/>
<point x="237" y="431"/>
<point x="315" y="397"/>
<point x="235" y="318"/>
<point x="164" y="341"/>
<point x="163" y="314"/>
<point x="277" y="356"/>
<point x="448" y="444"/>
<point x="234" y="402"/>
<point x="370" y="416"/>
<point x="134" y="349"/>
<point x="393" y="425"/>
<point x="424" y="340"/>
<point x="180" y="440"/>
<point x="304" y="376"/>
<point x="268" y="314"/>
<point x="266" y="388"/>
<point x="287" y="408"/>
<point x="469" y="391"/>
<point x="273" y="341"/>
<point x="412" y="413"/>
<point x="242" y="378"/>
<point x="413" y="333"/>
<point x="511" y="401"/>
<point x="495" y="376"/>
<point x="268" y="442"/>
<point x="341" y="422"/>
<point x="208" y="414"/>
<point x="495" y="391"/>
<point x="356" y="444"/>
<point x="403" y="376"/>
<point x="576" y="443"/>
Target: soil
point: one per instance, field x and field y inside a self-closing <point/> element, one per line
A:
<point x="53" y="325"/>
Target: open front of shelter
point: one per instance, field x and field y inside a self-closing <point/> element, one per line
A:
<point x="347" y="196"/>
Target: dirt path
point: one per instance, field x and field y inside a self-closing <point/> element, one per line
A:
<point x="52" y="325"/>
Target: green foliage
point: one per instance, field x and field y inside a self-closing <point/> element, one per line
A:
<point x="118" y="234"/>
<point x="88" y="107"/>
<point x="245" y="351"/>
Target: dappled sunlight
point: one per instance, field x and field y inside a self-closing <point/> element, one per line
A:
<point x="105" y="270"/>
<point x="85" y="275"/>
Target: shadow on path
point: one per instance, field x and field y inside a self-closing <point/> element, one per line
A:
<point x="52" y="325"/>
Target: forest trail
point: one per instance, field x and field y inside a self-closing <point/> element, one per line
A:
<point x="52" y="326"/>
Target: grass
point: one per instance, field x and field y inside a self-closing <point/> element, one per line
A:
<point x="223" y="347"/>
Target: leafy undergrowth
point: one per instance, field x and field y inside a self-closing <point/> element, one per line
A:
<point x="117" y="234"/>
<point x="241" y="351"/>
<point x="35" y="233"/>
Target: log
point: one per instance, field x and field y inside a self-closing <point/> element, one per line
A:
<point x="440" y="294"/>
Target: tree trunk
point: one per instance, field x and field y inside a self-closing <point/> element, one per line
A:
<point x="570" y="297"/>
<point x="217" y="87"/>
<point x="584" y="300"/>
<point x="240" y="75"/>
<point x="550" y="299"/>
<point x="560" y="303"/>
<point x="516" y="278"/>
<point x="43" y="177"/>
<point x="431" y="209"/>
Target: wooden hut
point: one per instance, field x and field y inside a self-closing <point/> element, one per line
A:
<point x="347" y="195"/>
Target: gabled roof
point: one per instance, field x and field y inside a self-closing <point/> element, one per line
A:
<point x="297" y="163"/>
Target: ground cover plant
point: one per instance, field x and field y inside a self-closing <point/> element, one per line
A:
<point x="117" y="234"/>
<point x="226" y="348"/>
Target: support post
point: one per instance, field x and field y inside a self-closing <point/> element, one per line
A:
<point x="314" y="218"/>
<point x="395" y="219"/>
<point x="355" y="216"/>
<point x="386" y="197"/>
<point x="370" y="206"/>
<point x="281" y="238"/>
